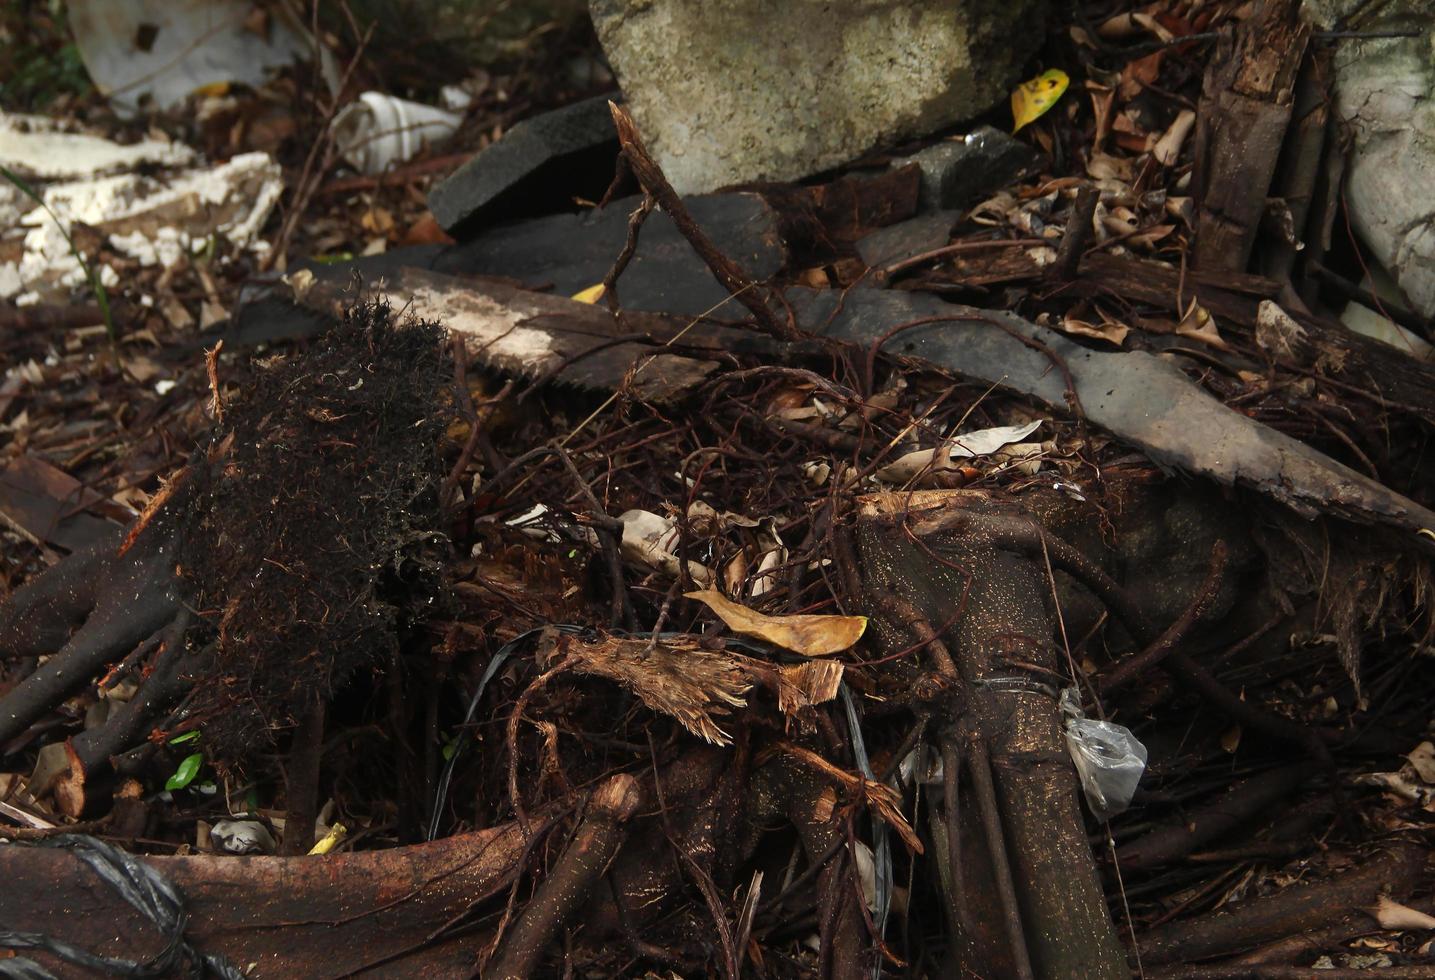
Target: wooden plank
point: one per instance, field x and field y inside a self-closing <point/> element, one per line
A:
<point x="1240" y="127"/>
<point x="47" y="505"/>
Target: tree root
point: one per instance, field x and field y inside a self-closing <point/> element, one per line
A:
<point x="325" y="916"/>
<point x="952" y="557"/>
<point x="1300" y="908"/>
<point x="1242" y="800"/>
<point x="85" y="789"/>
<point x="567" y="885"/>
<point x="122" y="599"/>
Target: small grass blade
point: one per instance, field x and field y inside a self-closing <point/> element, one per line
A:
<point x="102" y="298"/>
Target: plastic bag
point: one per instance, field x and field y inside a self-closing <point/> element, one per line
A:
<point x="1108" y="758"/>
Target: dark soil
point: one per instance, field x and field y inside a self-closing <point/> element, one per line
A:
<point x="313" y="522"/>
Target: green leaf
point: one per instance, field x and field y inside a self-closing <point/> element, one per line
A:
<point x="189" y="736"/>
<point x="184" y="775"/>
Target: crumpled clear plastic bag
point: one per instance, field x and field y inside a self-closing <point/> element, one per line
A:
<point x="1108" y="758"/>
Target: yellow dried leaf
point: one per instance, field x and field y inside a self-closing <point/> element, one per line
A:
<point x="811" y="636"/>
<point x="1032" y="98"/>
<point x="590" y="295"/>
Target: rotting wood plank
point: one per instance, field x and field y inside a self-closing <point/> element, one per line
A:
<point x="1241" y="122"/>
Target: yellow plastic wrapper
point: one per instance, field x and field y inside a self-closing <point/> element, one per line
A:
<point x="331" y="840"/>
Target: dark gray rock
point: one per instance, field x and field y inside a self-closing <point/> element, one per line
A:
<point x="562" y="254"/>
<point x="538" y="166"/>
<point x="959" y="173"/>
<point x="907" y="238"/>
<point x="570" y="252"/>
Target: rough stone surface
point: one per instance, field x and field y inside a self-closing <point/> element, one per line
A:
<point x="731" y="91"/>
<point x="957" y="173"/>
<point x="1383" y="90"/>
<point x="907" y="238"/>
<point x="567" y="252"/>
<point x="555" y="155"/>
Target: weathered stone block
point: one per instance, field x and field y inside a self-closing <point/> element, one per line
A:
<point x="730" y="91"/>
<point x="958" y="173"/>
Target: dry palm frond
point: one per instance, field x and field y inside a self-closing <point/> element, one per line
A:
<point x="803" y="685"/>
<point x="674" y="677"/>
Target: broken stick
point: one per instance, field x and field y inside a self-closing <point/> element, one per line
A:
<point x="654" y="183"/>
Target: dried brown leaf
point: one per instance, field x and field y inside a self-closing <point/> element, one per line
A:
<point x="1198" y="324"/>
<point x="1109" y="331"/>
<point x="1422" y="757"/>
<point x="811" y="636"/>
<point x="1392" y="915"/>
<point x="1168" y="148"/>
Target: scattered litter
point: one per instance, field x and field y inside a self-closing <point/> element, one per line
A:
<point x="242" y="837"/>
<point x="1108" y="758"/>
<point x="968" y="445"/>
<point x="153" y="54"/>
<point x="376" y="131"/>
<point x="42" y="149"/>
<point x="147" y="892"/>
<point x="649" y="539"/>
<point x="150" y="219"/>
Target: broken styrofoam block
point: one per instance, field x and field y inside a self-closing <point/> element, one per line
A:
<point x="154" y="220"/>
<point x="1363" y="320"/>
<point x="39" y="148"/>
